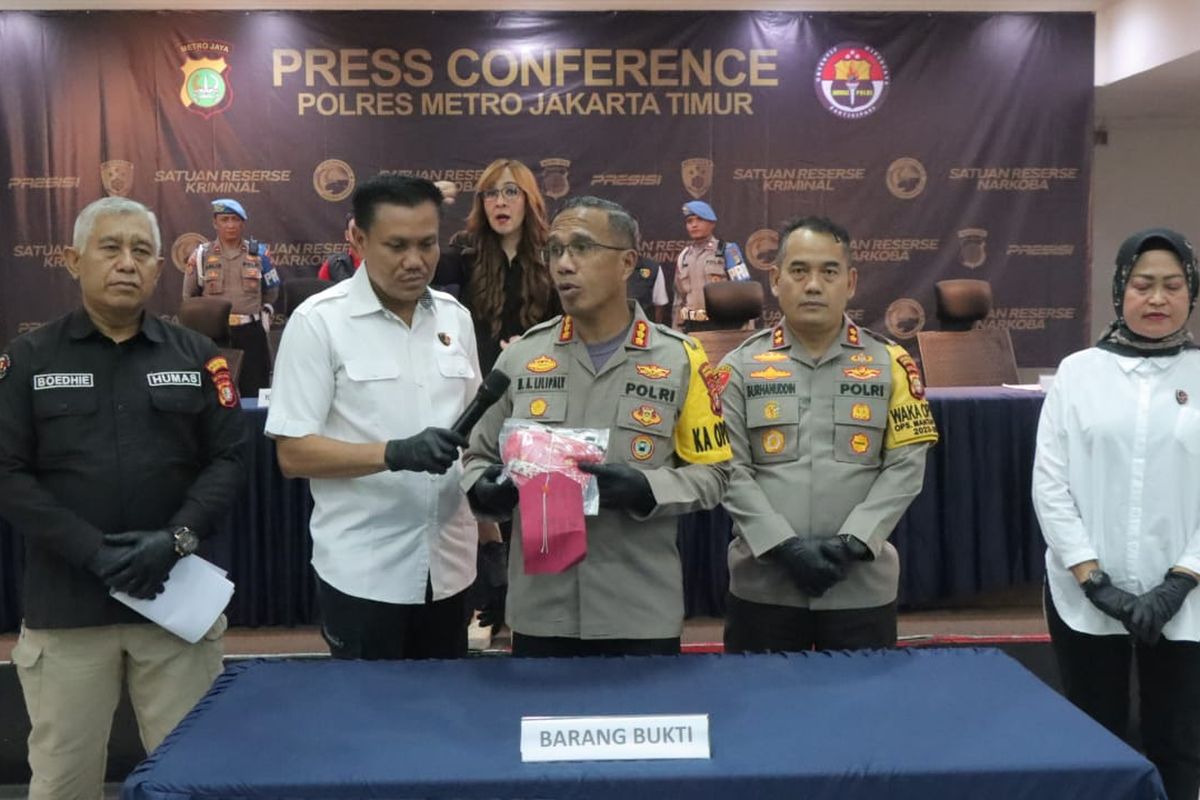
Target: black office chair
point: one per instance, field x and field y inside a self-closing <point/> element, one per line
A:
<point x="210" y="316"/>
<point x="730" y="305"/>
<point x="962" y="354"/>
<point x="297" y="290"/>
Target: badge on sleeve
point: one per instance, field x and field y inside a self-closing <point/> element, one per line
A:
<point x="218" y="368"/>
<point x="5" y="363"/>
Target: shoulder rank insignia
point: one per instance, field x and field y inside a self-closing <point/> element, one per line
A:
<point x="567" y="331"/>
<point x="641" y="334"/>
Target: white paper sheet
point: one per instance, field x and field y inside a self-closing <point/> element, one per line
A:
<point x="195" y="595"/>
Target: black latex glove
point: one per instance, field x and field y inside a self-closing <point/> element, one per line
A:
<point x="845" y="550"/>
<point x="491" y="497"/>
<point x="1116" y="603"/>
<point x="153" y="555"/>
<point x="493" y="573"/>
<point x="432" y="450"/>
<point x="621" y="487"/>
<point x="108" y="561"/>
<point x="1155" y="608"/>
<point x="805" y="560"/>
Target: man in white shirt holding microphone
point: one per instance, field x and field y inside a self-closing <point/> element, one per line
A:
<point x="371" y="375"/>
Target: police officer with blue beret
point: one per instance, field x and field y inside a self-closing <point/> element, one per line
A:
<point x="706" y="260"/>
<point x="239" y="271"/>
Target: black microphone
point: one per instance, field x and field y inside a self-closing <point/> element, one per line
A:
<point x="495" y="383"/>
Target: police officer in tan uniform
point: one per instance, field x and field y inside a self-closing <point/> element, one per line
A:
<point x="705" y="260"/>
<point x="227" y="268"/>
<point x="829" y="428"/>
<point x="604" y="365"/>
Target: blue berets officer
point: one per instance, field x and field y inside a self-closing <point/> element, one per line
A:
<point x="240" y="271"/>
<point x="705" y="260"/>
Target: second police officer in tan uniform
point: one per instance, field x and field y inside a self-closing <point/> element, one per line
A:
<point x="227" y="267"/>
<point x="705" y="260"/>
<point x="829" y="428"/>
<point x="604" y="365"/>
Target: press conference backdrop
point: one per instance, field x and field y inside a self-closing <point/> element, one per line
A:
<point x="950" y="145"/>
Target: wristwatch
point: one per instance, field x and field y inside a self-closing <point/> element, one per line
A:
<point x="186" y="540"/>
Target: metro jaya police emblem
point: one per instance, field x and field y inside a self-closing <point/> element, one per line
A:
<point x="851" y="80"/>
<point x="972" y="247"/>
<point x="218" y="370"/>
<point x="697" y="176"/>
<point x="642" y="447"/>
<point x="117" y="177"/>
<point x="555" y="181"/>
<point x="206" y="89"/>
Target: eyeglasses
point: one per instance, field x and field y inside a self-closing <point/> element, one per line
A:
<point x="578" y="248"/>
<point x="510" y="191"/>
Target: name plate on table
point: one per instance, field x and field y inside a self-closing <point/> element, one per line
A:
<point x="614" y="738"/>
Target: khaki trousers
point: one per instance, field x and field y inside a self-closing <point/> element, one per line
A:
<point x="71" y="679"/>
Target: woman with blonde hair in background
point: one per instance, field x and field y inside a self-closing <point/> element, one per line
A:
<point x="507" y="287"/>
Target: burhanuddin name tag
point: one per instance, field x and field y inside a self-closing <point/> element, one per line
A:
<point x="614" y="738"/>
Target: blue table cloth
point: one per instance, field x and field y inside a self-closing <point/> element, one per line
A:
<point x="971" y="529"/>
<point x="898" y="724"/>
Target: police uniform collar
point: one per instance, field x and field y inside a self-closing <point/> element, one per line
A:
<point x="243" y="246"/>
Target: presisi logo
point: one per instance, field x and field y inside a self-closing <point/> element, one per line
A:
<point x="206" y="89"/>
<point x="851" y="80"/>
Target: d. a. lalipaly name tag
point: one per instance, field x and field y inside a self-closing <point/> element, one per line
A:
<point x="614" y="738"/>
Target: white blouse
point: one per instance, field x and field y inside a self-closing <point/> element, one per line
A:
<point x="1116" y="478"/>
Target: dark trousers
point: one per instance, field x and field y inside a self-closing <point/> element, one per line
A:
<point x="251" y="339"/>
<point x="567" y="647"/>
<point x="759" y="628"/>
<point x="1096" y="673"/>
<point x="368" y="629"/>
